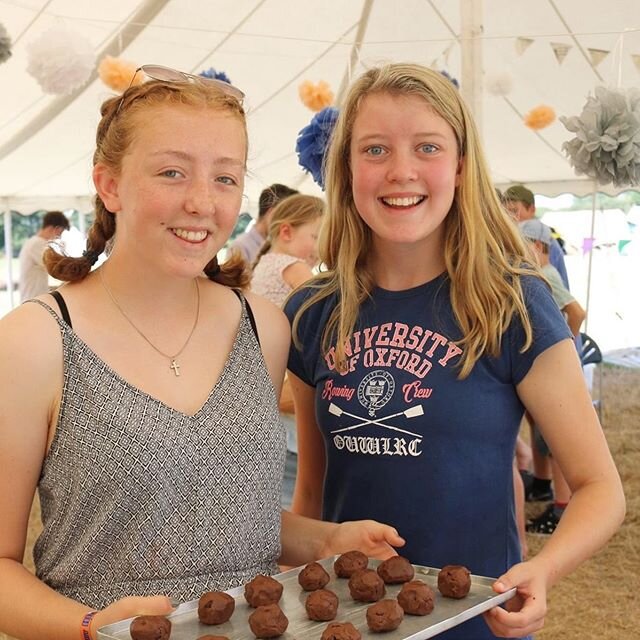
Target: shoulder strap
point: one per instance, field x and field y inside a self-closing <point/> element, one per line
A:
<point x="252" y="319"/>
<point x="63" y="307"/>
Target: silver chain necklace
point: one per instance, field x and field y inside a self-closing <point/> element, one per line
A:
<point x="174" y="364"/>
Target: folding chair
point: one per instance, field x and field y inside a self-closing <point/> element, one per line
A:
<point x="591" y="354"/>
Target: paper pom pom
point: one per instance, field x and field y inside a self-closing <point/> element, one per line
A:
<point x="540" y="117"/>
<point x="117" y="73"/>
<point x="215" y="75"/>
<point x="315" y="96"/>
<point x="5" y="45"/>
<point x="499" y="84"/>
<point x="60" y="60"/>
<point x="313" y="142"/>
<point x="607" y="143"/>
<point x="451" y="79"/>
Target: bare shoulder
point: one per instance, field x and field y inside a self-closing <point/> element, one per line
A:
<point x="270" y="319"/>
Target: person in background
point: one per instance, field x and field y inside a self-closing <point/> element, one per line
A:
<point x="285" y="262"/>
<point x="145" y="408"/>
<point x="520" y="202"/>
<point x="416" y="352"/>
<point x="34" y="279"/>
<point x="250" y="242"/>
<point x="539" y="235"/>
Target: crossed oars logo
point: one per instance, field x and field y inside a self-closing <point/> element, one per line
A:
<point x="411" y="412"/>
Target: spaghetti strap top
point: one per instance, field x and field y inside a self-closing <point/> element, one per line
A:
<point x="140" y="499"/>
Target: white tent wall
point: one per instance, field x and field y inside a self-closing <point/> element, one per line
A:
<point x="268" y="47"/>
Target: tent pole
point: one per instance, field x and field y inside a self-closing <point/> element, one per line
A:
<point x="471" y="54"/>
<point x="355" y="51"/>
<point x="590" y="245"/>
<point x="8" y="250"/>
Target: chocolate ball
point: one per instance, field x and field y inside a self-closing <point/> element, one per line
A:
<point x="321" y="605"/>
<point x="340" y="631"/>
<point x="396" y="570"/>
<point x="385" y="615"/>
<point x="262" y="590"/>
<point x="150" y="628"/>
<point x="417" y="598"/>
<point x="268" y="621"/>
<point x="313" y="577"/>
<point x="454" y="581"/>
<point x="366" y="586"/>
<point x="350" y="562"/>
<point x="215" y="607"/>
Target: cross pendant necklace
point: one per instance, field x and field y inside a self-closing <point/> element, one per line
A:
<point x="174" y="366"/>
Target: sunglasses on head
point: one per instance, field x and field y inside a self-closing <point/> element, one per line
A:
<point x="166" y="74"/>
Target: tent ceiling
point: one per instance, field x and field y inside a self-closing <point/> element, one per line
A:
<point x="268" y="47"/>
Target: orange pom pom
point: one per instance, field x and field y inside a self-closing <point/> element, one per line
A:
<point x="540" y="117"/>
<point x="117" y="74"/>
<point x="315" y="96"/>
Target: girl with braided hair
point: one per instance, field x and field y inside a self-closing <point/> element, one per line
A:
<point x="141" y="401"/>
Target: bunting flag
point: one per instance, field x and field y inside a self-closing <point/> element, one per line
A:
<point x="522" y="44"/>
<point x="587" y="245"/>
<point x="597" y="55"/>
<point x="560" y="49"/>
<point x="636" y="60"/>
<point x="621" y="245"/>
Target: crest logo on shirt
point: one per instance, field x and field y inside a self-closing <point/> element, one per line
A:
<point x="375" y="390"/>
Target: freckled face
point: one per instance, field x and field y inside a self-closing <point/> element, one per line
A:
<point x="405" y="167"/>
<point x="180" y="188"/>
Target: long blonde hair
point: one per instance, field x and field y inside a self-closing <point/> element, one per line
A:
<point x="295" y="211"/>
<point x="484" y="252"/>
<point x="122" y="116"/>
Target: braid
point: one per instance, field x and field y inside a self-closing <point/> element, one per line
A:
<point x="233" y="273"/>
<point x="265" y="248"/>
<point x="69" y="269"/>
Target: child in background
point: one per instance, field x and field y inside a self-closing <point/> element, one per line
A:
<point x="540" y="237"/>
<point x="283" y="263"/>
<point x="291" y="249"/>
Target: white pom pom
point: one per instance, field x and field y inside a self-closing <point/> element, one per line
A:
<point x="499" y="83"/>
<point x="60" y="60"/>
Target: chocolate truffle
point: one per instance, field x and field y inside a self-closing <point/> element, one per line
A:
<point x="385" y="615"/>
<point x="340" y="631"/>
<point x="210" y="637"/>
<point x="321" y="605"/>
<point x="366" y="586"/>
<point x="150" y="628"/>
<point x="313" y="577"/>
<point x="262" y="590"/>
<point x="268" y="621"/>
<point x="454" y="581"/>
<point x="396" y="570"/>
<point x="215" y="607"/>
<point x="348" y="563"/>
<point x="417" y="598"/>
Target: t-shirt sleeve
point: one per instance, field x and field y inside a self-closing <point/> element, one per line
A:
<point x="301" y="361"/>
<point x="560" y="293"/>
<point x="548" y="325"/>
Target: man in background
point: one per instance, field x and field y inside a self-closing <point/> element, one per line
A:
<point x="520" y="203"/>
<point x="249" y="242"/>
<point x="34" y="280"/>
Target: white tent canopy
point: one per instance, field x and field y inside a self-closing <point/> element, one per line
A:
<point x="268" y="47"/>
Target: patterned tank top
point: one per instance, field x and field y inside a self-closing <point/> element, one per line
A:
<point x="140" y="499"/>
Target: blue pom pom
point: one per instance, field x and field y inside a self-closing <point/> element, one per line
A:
<point x="215" y="75"/>
<point x="313" y="142"/>
<point x="451" y="79"/>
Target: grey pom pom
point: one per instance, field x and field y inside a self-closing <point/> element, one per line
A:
<point x="5" y="44"/>
<point x="607" y="142"/>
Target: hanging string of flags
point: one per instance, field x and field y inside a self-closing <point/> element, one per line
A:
<point x="562" y="49"/>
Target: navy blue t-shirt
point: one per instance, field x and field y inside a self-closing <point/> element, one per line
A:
<point x="408" y="443"/>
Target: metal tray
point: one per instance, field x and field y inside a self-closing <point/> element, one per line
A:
<point x="447" y="612"/>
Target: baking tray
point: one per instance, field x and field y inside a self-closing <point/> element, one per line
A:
<point x="447" y="612"/>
